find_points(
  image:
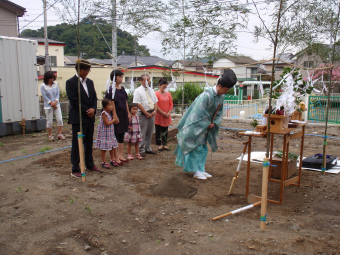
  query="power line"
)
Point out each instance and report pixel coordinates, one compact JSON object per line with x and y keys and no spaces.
{"x":39,"y":15}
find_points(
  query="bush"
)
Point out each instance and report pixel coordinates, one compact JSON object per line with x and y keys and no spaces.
{"x":191,"y":91}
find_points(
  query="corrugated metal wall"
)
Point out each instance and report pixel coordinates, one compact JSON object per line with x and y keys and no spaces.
{"x":18,"y":79}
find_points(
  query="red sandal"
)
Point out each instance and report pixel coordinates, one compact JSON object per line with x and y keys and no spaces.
{"x":105,"y":165}
{"x":113,"y":163}
{"x":138,"y":156}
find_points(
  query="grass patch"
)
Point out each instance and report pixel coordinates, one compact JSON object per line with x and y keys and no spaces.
{"x":43,"y":150}
{"x":87,"y":208}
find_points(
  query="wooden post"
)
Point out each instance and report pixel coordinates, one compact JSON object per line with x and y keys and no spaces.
{"x":81,"y":156}
{"x":23,"y":125}
{"x":264,"y":193}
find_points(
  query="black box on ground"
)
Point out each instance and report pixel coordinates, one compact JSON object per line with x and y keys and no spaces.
{"x":316,"y":161}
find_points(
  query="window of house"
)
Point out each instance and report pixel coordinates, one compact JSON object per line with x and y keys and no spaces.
{"x":53,"y":60}
{"x":253,"y":72}
{"x":308,"y":64}
{"x":128,"y":79}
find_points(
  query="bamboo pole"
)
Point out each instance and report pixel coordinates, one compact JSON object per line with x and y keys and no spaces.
{"x":237,"y":211}
{"x":81,"y":156}
{"x":264,"y":193}
{"x":324,"y":151}
{"x":233,"y":182}
{"x":272,"y":79}
{"x":80,"y":134}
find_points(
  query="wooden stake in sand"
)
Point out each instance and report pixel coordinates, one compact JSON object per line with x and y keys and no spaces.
{"x":237,"y":211}
{"x":264,"y":193}
{"x":233,"y":182}
{"x":81,"y":156}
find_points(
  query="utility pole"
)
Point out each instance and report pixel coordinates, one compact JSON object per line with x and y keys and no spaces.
{"x":135,"y":50}
{"x":114,"y":33}
{"x":183,"y":57}
{"x":47,"y":58}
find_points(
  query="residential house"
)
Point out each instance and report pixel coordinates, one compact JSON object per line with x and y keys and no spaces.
{"x":314,"y":55}
{"x":55,"y":52}
{"x":283,"y":60}
{"x":245,"y":68}
{"x":154,"y":66}
{"x":9,"y":14}
{"x":317,"y":54}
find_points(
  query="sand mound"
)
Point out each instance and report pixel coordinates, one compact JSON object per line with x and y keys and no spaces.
{"x":174,"y":187}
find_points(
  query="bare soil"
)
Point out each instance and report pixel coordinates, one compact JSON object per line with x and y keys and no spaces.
{"x":151,"y":207}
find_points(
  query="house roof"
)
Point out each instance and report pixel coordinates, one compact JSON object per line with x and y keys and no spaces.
{"x":240,"y":59}
{"x":42,"y":41}
{"x":106,"y":61}
{"x":70,"y":60}
{"x":124,"y":61}
{"x":19,"y":10}
{"x":127,"y":60}
{"x":191,"y":63}
{"x":284,"y":58}
{"x":168,"y":68}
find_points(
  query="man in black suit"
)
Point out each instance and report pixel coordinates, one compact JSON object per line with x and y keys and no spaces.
{"x":88,"y":110}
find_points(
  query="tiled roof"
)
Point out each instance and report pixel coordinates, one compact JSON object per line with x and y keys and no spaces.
{"x":126,"y":60}
{"x":189,"y":63}
{"x":240,"y":59}
{"x":123,"y":61}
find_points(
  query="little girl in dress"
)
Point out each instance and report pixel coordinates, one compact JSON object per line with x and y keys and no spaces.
{"x":106,"y":140}
{"x":134,"y":135}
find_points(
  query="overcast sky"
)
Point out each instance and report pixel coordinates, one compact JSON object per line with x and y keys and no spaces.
{"x":245,"y":44}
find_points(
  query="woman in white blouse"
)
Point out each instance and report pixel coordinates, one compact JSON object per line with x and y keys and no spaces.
{"x":50,"y":92}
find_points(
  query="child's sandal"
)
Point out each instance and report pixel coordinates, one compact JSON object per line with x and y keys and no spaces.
{"x":105,"y":165}
{"x":130,"y":157}
{"x":113,"y":163}
{"x":138,"y":156}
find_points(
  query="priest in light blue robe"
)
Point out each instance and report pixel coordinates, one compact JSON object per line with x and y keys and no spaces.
{"x":196,"y":129}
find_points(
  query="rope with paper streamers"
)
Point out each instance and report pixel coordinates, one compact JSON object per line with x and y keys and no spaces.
{"x":219,"y":68}
{"x":172,"y":84}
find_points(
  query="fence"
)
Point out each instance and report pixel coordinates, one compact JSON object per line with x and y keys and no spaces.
{"x":249,"y":109}
{"x":317,"y":107}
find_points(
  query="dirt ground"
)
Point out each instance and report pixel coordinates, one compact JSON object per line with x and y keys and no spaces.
{"x":152,"y":207}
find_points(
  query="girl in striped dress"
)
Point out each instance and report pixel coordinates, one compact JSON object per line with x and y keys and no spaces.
{"x":134,"y":134}
{"x":106,"y":140}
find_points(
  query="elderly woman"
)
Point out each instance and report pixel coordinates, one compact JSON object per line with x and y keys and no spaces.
{"x":50,"y":92}
{"x":163,"y":116}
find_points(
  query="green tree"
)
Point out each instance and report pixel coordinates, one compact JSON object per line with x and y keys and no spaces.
{"x":303,"y":24}
{"x":191,"y":91}
{"x":140,"y":16}
{"x":91,"y":41}
{"x":202,"y":27}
